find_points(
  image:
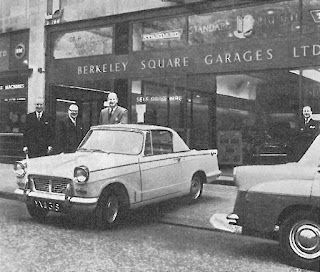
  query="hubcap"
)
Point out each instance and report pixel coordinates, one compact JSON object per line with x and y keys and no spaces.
{"x":305,"y":240}
{"x":195,"y":188}
{"x":112,"y":209}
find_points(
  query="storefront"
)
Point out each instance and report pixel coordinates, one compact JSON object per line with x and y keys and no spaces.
{"x":224,"y":77}
{"x":14,"y":75}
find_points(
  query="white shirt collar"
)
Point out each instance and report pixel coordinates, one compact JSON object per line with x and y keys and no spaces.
{"x":73,"y":120}
{"x":111,"y":110}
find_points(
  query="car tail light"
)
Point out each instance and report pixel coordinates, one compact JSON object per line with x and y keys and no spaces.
{"x":81,"y":174}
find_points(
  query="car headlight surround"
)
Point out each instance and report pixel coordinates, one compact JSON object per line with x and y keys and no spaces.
{"x":20,"y":169}
{"x":81,"y":174}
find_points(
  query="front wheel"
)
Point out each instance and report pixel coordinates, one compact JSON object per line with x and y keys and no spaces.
{"x":36,"y":212}
{"x":108,"y":210}
{"x":196,"y":188}
{"x":300,"y":238}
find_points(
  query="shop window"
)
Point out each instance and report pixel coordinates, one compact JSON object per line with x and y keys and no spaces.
{"x":253,"y":110}
{"x":159,"y":101}
{"x":256,"y":22}
{"x":182,"y":104}
{"x":160,"y":34}
{"x":310,"y":84}
{"x":82,"y":43}
{"x":13,"y":114}
{"x":310,"y":16}
{"x":201,"y":89}
{"x":122,"y":38}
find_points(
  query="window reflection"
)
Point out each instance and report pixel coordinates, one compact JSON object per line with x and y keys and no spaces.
{"x":255,"y":110}
{"x":81,"y":43}
{"x":13,"y":114}
{"x":258,"y":22}
{"x":179,"y":103}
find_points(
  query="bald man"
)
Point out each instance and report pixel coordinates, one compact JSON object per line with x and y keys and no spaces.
{"x":113,"y":114}
{"x":38,"y":134}
{"x":69,"y":132}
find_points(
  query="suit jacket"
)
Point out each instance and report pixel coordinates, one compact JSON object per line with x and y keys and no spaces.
{"x":38,"y":135}
{"x":310,"y":130}
{"x":119,"y":116}
{"x":69,"y":135}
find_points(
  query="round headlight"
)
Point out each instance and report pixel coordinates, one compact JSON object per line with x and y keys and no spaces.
{"x":20,"y":169}
{"x":81,"y":174}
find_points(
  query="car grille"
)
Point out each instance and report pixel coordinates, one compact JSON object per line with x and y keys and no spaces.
{"x":50,"y":184}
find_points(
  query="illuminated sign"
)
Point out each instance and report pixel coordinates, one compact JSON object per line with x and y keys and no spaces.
{"x":20,"y":51}
{"x":162,"y":35}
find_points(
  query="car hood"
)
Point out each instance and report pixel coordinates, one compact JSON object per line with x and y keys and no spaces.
{"x":248,"y":176}
{"x":63,"y":165}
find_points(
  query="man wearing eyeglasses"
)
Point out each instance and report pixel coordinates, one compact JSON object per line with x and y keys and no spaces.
{"x":69,"y":131}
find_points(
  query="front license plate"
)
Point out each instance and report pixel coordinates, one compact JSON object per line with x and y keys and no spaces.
{"x":48,"y":205}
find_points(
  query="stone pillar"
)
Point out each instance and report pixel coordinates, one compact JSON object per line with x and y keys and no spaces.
{"x":36,"y":82}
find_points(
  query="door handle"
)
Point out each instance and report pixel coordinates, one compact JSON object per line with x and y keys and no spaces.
{"x":178,"y":159}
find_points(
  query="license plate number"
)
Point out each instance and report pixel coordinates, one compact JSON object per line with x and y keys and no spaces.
{"x":47,"y":205}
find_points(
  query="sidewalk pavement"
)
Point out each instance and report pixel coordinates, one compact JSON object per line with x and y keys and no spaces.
{"x":217,"y":200}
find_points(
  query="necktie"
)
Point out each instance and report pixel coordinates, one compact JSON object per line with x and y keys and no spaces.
{"x":38,"y":113}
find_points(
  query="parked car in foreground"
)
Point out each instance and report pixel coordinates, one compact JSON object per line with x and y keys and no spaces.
{"x":115,"y":168}
{"x":282,"y":202}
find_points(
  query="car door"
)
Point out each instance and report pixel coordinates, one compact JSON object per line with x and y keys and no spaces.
{"x":160,"y":167}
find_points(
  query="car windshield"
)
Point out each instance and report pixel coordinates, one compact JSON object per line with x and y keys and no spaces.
{"x":113,"y":141}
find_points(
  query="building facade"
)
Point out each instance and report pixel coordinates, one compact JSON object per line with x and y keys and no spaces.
{"x":224,"y":74}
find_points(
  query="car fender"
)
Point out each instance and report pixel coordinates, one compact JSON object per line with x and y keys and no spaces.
{"x":128,"y":176}
{"x":133,"y":194}
{"x":266,"y":201}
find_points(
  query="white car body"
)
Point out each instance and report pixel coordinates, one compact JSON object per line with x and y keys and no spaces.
{"x":126,"y":162}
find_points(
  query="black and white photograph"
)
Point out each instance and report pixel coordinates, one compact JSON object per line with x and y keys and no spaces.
{"x":159,"y":135}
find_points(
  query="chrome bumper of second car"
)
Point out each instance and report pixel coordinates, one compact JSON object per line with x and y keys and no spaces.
{"x":69,"y":202}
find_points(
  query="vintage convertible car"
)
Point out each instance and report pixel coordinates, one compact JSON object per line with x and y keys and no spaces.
{"x":115,"y":168}
{"x":282,"y":202}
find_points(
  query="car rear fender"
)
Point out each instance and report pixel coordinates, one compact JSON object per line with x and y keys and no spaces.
{"x":296,"y":208}
{"x":267,"y":201}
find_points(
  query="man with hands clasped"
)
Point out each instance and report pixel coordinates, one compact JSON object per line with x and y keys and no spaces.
{"x":69,"y":131}
{"x":38,"y":135}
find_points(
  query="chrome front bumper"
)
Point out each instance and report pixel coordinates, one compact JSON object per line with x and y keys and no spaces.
{"x":70,"y":203}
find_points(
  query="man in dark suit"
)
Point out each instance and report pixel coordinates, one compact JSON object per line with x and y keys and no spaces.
{"x":38,"y":135}
{"x":113,"y":114}
{"x":308,"y":130}
{"x":69,"y":131}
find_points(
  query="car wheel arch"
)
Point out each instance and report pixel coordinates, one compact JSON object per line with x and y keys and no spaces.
{"x":288,"y":211}
{"x":201,"y":174}
{"x":120,"y":190}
